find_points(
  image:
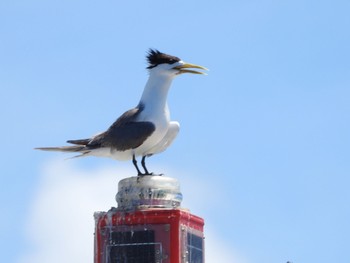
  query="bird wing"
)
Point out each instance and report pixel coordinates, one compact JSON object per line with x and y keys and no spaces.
{"x":79,"y":142}
{"x":125,"y":133}
{"x":122,"y":138}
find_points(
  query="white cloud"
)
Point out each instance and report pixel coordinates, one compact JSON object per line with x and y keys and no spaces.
{"x":61,"y":225}
{"x":217,"y":250}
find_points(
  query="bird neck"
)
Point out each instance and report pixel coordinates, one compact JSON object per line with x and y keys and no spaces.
{"x":155,"y":94}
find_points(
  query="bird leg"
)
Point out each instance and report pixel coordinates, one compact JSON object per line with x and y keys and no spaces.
{"x":143,"y":163}
{"x":135,"y":164}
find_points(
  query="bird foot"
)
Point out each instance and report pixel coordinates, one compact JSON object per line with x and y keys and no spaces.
{"x":149,"y":174}
{"x":144,"y":174}
{"x":157,"y":174}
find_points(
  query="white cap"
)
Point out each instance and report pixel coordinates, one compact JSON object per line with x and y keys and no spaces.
{"x":149,"y":191}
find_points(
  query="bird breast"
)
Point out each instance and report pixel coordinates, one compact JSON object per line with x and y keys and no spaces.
{"x":160,"y":119}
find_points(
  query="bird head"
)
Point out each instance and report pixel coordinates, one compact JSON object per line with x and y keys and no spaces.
{"x":170,"y":65}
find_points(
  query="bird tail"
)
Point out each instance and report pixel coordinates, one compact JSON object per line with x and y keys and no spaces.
{"x":75,"y":148}
{"x":80,"y":147}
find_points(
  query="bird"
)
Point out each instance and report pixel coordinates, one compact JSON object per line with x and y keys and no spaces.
{"x":144,"y":130}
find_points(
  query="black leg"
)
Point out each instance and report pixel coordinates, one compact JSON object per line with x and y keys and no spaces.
{"x":135,"y":164}
{"x":144,"y":166}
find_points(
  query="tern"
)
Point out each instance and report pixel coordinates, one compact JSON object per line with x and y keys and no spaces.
{"x":144,"y":130}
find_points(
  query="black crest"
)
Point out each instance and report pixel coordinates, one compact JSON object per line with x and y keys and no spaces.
{"x":156,"y":57}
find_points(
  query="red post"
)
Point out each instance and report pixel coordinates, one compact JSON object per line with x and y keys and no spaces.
{"x":148,"y":228}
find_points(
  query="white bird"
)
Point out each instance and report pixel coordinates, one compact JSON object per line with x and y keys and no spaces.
{"x":144,"y":130}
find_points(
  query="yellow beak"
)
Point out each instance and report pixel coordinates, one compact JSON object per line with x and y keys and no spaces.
{"x":185,"y":68}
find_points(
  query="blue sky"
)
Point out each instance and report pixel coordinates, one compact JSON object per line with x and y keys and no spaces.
{"x":263,"y":151}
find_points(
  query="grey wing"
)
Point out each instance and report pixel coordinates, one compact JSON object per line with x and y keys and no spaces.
{"x":121,"y":138}
{"x":80,"y":141}
{"x":125,"y":133}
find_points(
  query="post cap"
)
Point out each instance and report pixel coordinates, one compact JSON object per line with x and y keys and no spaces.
{"x":149,"y":191}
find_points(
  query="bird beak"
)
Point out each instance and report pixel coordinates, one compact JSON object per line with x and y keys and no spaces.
{"x":185,"y":68}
